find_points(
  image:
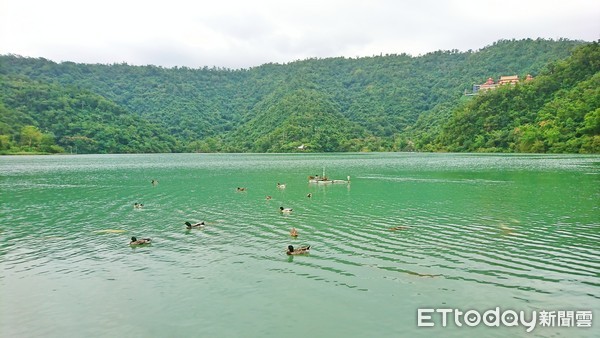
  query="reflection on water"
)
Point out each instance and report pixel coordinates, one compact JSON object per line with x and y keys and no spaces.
{"x":409,"y":231}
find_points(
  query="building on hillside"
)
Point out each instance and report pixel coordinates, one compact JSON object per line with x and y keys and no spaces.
{"x":491,"y":85}
{"x":511,"y":79}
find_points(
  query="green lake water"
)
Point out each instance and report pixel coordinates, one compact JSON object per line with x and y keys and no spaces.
{"x":518,"y":232}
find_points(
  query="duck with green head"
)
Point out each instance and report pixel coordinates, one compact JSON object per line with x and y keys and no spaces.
{"x":141,"y":241}
{"x":298,"y":251}
{"x":195,"y":225}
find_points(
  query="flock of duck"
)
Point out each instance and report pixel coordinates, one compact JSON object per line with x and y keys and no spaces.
{"x":293,"y":232}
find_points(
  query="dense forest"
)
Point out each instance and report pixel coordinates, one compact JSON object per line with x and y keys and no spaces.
{"x":379,"y":103}
{"x":558,"y":112}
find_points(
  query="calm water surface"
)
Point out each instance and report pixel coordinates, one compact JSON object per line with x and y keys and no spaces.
{"x":518,"y":232}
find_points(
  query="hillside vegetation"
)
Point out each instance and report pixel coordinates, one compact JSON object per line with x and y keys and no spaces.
{"x":558,"y":112}
{"x":379,"y":103}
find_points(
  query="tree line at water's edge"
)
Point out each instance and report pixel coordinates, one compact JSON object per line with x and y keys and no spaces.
{"x":379,"y":103}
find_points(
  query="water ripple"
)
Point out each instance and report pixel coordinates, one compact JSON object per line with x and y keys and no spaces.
{"x":446,"y":225}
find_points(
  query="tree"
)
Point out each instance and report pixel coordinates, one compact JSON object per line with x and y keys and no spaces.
{"x":5,"y":143}
{"x":31,"y":136}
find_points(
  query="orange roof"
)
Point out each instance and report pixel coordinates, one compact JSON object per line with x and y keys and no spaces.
{"x":509,"y":79}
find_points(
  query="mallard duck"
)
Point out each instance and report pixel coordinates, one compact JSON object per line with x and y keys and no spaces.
{"x":285,"y":210}
{"x":293,"y":232}
{"x":280,"y":186}
{"x":240,"y":189}
{"x":300,"y":251}
{"x":141,"y":241}
{"x":269,"y":198}
{"x":196,"y":225}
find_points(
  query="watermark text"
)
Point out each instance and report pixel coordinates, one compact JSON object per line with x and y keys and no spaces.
{"x":497,"y":317}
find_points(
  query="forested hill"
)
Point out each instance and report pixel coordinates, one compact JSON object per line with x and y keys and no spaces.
{"x":379,"y":103}
{"x":558,"y":112}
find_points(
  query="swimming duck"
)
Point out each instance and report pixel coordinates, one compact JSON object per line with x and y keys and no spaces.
{"x":141,"y":241}
{"x":269,"y":198}
{"x":280,"y":186}
{"x":309,"y":195}
{"x":240,"y":189}
{"x":300,"y":251}
{"x":138,"y":205}
{"x":400,"y":227}
{"x":197,"y":225}
{"x":293,"y":232}
{"x":285,"y":210}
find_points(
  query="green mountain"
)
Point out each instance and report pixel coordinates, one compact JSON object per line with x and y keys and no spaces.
{"x":293,"y":118}
{"x":55,"y":118}
{"x":379,"y":103}
{"x":557,"y":112}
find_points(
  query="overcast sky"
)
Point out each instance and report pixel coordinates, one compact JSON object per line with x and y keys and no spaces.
{"x":247,"y":33}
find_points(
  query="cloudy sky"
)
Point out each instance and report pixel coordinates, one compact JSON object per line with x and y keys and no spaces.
{"x":247,"y":33}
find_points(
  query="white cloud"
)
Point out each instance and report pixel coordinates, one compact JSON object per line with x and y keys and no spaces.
{"x":237,"y":33}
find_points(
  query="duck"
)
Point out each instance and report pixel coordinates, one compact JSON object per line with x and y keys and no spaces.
{"x":285,"y":210}
{"x":269,"y":198}
{"x":154,"y":182}
{"x":400,"y":227}
{"x":196,"y":225}
{"x":141,"y":241}
{"x":138,"y":205}
{"x":309,"y":195}
{"x":240,"y":189}
{"x":300,"y":251}
{"x":280,"y":186}
{"x":293,"y":232}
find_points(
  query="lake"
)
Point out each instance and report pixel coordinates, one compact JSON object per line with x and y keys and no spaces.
{"x":474,"y":232}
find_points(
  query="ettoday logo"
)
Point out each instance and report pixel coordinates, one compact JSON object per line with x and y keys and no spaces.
{"x":509,"y":318}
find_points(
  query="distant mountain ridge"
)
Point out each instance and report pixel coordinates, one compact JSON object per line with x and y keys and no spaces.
{"x":380,"y":103}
